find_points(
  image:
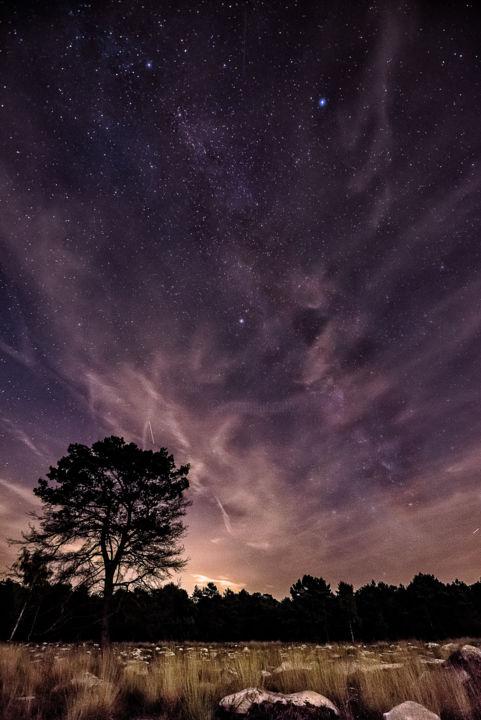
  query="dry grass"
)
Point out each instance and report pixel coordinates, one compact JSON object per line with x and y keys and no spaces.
{"x":186,"y":682}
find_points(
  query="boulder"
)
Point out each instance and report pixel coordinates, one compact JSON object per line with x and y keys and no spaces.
{"x":467,"y":658}
{"x":255,"y":703}
{"x":448,"y":647}
{"x":410,"y":711}
{"x":288,"y":666}
{"x":470,"y":653}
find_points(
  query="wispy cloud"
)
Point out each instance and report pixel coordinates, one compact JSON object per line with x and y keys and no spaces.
{"x":222,"y":581}
{"x":225,"y":515}
{"x":17,"y":432}
{"x":297,"y":318}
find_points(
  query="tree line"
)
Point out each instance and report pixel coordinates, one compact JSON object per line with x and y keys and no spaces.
{"x":107,"y":537}
{"x":426,"y":609}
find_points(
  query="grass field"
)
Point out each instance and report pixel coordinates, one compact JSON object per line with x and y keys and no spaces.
{"x":80,"y":682}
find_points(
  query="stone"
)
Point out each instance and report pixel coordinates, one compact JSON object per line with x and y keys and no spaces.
{"x":252,"y":702}
{"x":288,"y":666}
{"x":381,"y":666}
{"x":410,"y":710}
{"x":432,"y":661}
{"x":448,"y":647}
{"x":467,"y":658}
{"x":470,"y":652}
{"x":88,"y":679}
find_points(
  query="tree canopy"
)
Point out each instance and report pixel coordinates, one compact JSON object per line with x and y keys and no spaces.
{"x":111,"y":517}
{"x":373,"y":612}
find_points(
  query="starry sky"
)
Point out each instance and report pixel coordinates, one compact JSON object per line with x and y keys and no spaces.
{"x":250,"y":232}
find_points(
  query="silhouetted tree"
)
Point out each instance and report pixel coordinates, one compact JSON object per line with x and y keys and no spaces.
{"x":314,"y":599}
{"x":371,"y":612}
{"x":462,"y":613}
{"x":171,"y":612}
{"x":347,"y":606}
{"x":208,"y":612}
{"x":33,"y":572}
{"x":475,"y":594}
{"x":111,"y":518}
{"x":429,"y":602}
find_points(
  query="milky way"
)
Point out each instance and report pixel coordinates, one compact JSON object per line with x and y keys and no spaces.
{"x":250,"y":233}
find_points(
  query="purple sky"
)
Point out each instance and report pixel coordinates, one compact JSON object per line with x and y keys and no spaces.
{"x":251,"y":232}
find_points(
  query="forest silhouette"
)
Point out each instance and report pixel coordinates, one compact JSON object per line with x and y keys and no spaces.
{"x":426,"y":609}
{"x":123,"y":507}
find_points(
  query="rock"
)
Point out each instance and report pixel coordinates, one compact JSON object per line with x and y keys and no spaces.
{"x":226,"y":674}
{"x":448,"y":647}
{"x":87,"y":679}
{"x":381,"y":666}
{"x":255,"y":702}
{"x":287,"y":666}
{"x":432,"y":661}
{"x":410,"y":711}
{"x":468,"y":658}
{"x":470,"y":652}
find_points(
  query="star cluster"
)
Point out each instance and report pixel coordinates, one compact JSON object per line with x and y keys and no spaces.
{"x":249,"y":232}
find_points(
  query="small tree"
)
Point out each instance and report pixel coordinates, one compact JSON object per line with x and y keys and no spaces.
{"x":31,"y":569}
{"x":111,"y":518}
{"x":347,"y":604}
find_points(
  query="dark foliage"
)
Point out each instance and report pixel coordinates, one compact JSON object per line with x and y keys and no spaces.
{"x":426,"y":609}
{"x":111,"y":518}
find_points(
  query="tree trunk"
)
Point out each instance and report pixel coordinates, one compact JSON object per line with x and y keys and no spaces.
{"x":350,"y":629}
{"x":18,"y":621}
{"x":33,"y":623}
{"x":326,"y":628}
{"x":107,"y":610}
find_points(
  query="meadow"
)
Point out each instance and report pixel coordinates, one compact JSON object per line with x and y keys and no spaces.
{"x":185,"y":682}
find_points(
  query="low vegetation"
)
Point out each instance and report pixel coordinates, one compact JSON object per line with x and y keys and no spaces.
{"x":185,"y":682}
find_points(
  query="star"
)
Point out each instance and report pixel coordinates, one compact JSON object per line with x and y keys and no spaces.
{"x":175,"y":208}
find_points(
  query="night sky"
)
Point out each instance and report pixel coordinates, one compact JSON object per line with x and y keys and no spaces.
{"x":250,"y":232}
